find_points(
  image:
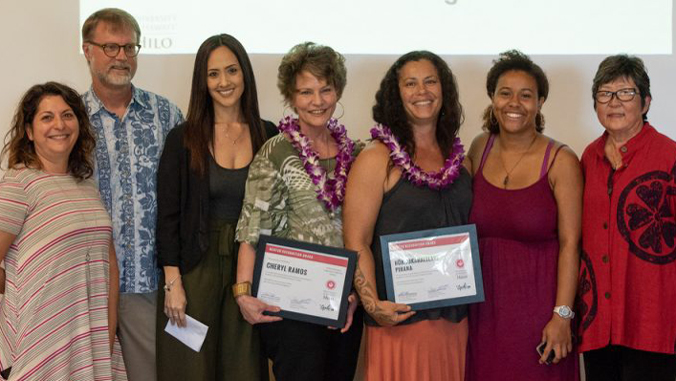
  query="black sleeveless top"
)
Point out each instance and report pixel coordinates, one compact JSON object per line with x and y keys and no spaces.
{"x":408,"y":208}
{"x":226,"y":190}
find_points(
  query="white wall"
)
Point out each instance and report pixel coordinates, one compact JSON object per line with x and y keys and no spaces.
{"x":39,"y":42}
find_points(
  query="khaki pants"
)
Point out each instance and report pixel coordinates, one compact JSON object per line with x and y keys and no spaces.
{"x":136,"y":330}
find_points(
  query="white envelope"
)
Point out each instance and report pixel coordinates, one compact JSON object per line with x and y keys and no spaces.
{"x":192,"y":335}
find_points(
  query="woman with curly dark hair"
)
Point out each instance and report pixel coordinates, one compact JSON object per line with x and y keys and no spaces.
{"x":409,"y":178}
{"x":527,"y":209}
{"x":59,"y":315}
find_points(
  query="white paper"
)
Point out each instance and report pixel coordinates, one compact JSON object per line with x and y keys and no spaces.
{"x":192,"y":335}
{"x":432,"y":269}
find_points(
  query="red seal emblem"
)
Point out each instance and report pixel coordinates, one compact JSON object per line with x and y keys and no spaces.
{"x":460,"y":263}
{"x":330,"y":285}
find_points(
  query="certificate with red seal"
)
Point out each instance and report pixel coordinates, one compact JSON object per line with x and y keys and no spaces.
{"x":308,"y":282}
{"x":433,"y":268}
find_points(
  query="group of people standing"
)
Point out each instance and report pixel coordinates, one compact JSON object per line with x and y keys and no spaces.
{"x":103,"y":186}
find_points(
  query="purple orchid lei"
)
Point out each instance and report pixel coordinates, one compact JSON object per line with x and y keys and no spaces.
{"x":434,"y":180}
{"x":329,"y":191}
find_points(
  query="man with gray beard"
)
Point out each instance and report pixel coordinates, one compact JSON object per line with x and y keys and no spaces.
{"x":130,"y":126}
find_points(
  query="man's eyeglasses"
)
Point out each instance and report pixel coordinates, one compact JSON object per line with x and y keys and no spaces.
{"x":624,"y":95}
{"x":112,"y":49}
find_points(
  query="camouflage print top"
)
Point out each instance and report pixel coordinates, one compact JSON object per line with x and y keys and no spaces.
{"x":280,"y":199}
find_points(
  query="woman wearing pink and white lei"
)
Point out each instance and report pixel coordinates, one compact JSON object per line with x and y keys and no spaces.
{"x":295,"y":190}
{"x":409,"y":178}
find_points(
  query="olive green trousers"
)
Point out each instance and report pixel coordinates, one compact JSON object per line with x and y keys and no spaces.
{"x":231,"y":350}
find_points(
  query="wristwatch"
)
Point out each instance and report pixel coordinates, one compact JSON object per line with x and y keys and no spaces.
{"x":564,"y":311}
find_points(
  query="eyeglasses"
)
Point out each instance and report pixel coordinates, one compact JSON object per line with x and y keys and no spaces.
{"x":112,"y":49}
{"x":624,"y":95}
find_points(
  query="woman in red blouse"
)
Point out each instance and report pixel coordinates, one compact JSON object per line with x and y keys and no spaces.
{"x":627,"y":294}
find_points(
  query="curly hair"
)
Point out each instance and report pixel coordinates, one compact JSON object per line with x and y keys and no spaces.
{"x":389,"y":109}
{"x":199,"y":131}
{"x":20,"y":150}
{"x":321,"y":61}
{"x":514,"y":60}
{"x":623,"y":66}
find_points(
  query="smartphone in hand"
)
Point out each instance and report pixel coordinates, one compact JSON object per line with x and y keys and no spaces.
{"x":541,"y":349}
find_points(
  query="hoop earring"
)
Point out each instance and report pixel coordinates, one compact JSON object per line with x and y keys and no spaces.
{"x":342,"y":110}
{"x":288,"y":111}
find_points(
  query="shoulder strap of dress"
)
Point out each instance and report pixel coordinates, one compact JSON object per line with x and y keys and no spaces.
{"x":545,"y":166}
{"x":545,"y":161}
{"x":489,"y":145}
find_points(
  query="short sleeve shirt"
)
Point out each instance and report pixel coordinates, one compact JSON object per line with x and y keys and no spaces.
{"x":127,"y":156}
{"x":281,"y":200}
{"x":54,"y":317}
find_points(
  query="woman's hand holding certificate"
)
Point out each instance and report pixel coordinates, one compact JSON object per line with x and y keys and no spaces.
{"x":353,"y":303}
{"x":388,"y":313}
{"x":253,"y":310}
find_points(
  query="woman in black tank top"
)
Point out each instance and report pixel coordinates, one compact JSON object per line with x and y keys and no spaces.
{"x":409,"y":178}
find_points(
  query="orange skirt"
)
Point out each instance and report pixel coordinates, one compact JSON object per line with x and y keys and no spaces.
{"x":428,"y":350}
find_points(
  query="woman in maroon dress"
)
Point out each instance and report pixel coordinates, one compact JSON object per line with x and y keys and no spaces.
{"x":527,"y":208}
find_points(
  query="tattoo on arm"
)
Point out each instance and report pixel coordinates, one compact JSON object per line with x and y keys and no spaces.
{"x":365,"y":290}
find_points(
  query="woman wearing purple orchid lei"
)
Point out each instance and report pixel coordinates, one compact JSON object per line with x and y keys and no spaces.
{"x":409,"y":178}
{"x":295,"y":190}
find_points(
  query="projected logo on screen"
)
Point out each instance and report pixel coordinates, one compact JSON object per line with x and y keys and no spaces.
{"x":157,"y":32}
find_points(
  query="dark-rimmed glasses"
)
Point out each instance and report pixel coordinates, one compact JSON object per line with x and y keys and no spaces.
{"x":112,"y":49}
{"x":623,"y":95}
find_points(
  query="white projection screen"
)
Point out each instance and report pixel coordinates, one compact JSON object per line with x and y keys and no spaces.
{"x":397,"y":26}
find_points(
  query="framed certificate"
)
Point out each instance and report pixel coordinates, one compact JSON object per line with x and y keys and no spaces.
{"x":433,"y":268}
{"x":308,"y":282}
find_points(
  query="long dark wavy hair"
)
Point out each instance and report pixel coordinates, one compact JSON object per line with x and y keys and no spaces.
{"x":389,"y":109}
{"x":198,"y":135}
{"x":20,"y":150}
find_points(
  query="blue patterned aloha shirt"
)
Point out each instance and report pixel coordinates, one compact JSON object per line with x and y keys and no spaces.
{"x":127,"y":154}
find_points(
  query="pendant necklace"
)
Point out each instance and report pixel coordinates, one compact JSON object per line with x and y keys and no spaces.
{"x":508,"y":173}
{"x":227,"y":135}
